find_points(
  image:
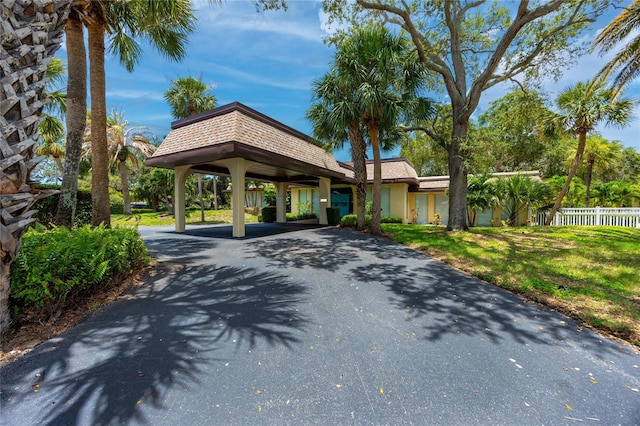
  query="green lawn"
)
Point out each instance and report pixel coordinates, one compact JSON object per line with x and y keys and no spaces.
{"x":193,"y":218}
{"x":589,"y":273}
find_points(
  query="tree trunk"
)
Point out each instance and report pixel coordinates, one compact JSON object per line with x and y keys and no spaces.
{"x":124,"y":183}
{"x":377,"y":182}
{"x":76,"y":121}
{"x":457,"y":179}
{"x":590,"y":161}
{"x":31,"y":33}
{"x":100,"y":212}
{"x":359,"y":158}
{"x":215,"y":193}
{"x":582,"y":141}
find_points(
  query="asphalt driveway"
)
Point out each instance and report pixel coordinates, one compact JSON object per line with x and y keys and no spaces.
{"x":318,"y":326}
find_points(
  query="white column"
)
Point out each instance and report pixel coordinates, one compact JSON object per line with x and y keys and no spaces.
{"x":324,"y":186}
{"x":281,"y":201}
{"x":237,"y":169}
{"x":181,"y":174}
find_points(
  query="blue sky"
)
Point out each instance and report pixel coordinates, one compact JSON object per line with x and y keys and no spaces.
{"x":268,"y":61}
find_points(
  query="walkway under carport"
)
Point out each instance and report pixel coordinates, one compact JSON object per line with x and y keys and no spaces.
{"x":237,"y":141}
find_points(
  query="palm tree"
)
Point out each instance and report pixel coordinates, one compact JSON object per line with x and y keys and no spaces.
{"x":125,"y":145}
{"x":189,"y":96}
{"x":519,"y":194}
{"x":604,"y":152}
{"x":385,"y":80}
{"x":165,"y":24}
{"x":627,"y":61}
{"x":481,"y":195}
{"x":583,"y":106}
{"x":31,"y":33}
{"x":76,"y":112}
{"x":335,"y":120}
{"x":51,"y":129}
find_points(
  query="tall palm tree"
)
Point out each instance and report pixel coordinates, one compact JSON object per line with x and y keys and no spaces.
{"x":189,"y":96}
{"x":335,"y":120}
{"x":597,"y":149}
{"x":125,"y":144}
{"x":76,"y":112}
{"x":385,"y":79}
{"x":165,"y":24}
{"x":626,"y":63}
{"x":31,"y":33}
{"x":582,"y":107}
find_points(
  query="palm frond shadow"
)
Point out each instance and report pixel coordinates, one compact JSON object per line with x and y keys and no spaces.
{"x":167,"y":336}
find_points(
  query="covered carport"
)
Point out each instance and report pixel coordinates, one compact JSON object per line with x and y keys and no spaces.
{"x":237,"y":141}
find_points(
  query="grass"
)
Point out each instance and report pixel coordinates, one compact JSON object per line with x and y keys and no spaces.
{"x":590,"y":273}
{"x":193,"y":218}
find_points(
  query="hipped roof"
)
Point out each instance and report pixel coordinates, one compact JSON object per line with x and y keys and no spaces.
{"x":277,"y":152}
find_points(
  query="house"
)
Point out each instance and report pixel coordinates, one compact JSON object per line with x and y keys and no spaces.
{"x":242,"y":143}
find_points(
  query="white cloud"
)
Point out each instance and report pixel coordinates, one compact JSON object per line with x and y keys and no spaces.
{"x":148,"y":95}
{"x":235,"y":18}
{"x":253,"y":78}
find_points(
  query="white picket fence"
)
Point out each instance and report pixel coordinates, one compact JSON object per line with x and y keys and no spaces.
{"x":628,"y":217}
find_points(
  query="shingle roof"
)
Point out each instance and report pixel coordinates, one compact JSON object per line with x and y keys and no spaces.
{"x":393,"y":170}
{"x":239,"y":124}
{"x":433,"y":183}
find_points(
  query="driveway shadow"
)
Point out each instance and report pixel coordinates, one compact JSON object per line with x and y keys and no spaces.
{"x":448,"y":302}
{"x":167,"y":336}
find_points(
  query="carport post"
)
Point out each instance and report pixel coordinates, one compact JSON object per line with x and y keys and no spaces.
{"x":237,"y":169}
{"x":281,"y":206}
{"x":181,"y":174}
{"x":325,"y":199}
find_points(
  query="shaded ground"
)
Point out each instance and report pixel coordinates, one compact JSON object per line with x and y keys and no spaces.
{"x":319,"y":326}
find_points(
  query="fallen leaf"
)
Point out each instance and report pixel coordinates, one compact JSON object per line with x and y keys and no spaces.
{"x":381,"y":391}
{"x":259,"y":409}
{"x":568,"y":407}
{"x":593,"y":381}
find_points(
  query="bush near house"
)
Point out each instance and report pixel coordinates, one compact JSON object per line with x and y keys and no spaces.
{"x":54,"y":264}
{"x":350,"y":220}
{"x":269,"y":214}
{"x":292,"y":217}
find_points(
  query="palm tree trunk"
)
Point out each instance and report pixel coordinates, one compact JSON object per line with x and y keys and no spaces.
{"x":590,"y":161}
{"x":76,"y":121}
{"x":124,"y":183}
{"x":100,"y":213}
{"x":31,"y":33}
{"x":377,"y":182}
{"x":457,"y":180}
{"x":59,"y":164}
{"x":582,"y":141}
{"x":358,"y":156}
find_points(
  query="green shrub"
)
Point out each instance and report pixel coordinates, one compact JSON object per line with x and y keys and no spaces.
{"x":48,"y":206}
{"x":333,"y":216}
{"x":350,"y":220}
{"x":269,"y":214}
{"x":291,"y":217}
{"x":52,"y":264}
{"x":390,"y":219}
{"x":116,"y":203}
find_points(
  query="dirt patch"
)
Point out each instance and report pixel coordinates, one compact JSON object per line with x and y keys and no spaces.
{"x":32,"y":332}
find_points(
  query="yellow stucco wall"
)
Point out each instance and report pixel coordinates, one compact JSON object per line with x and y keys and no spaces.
{"x":398,"y":201}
